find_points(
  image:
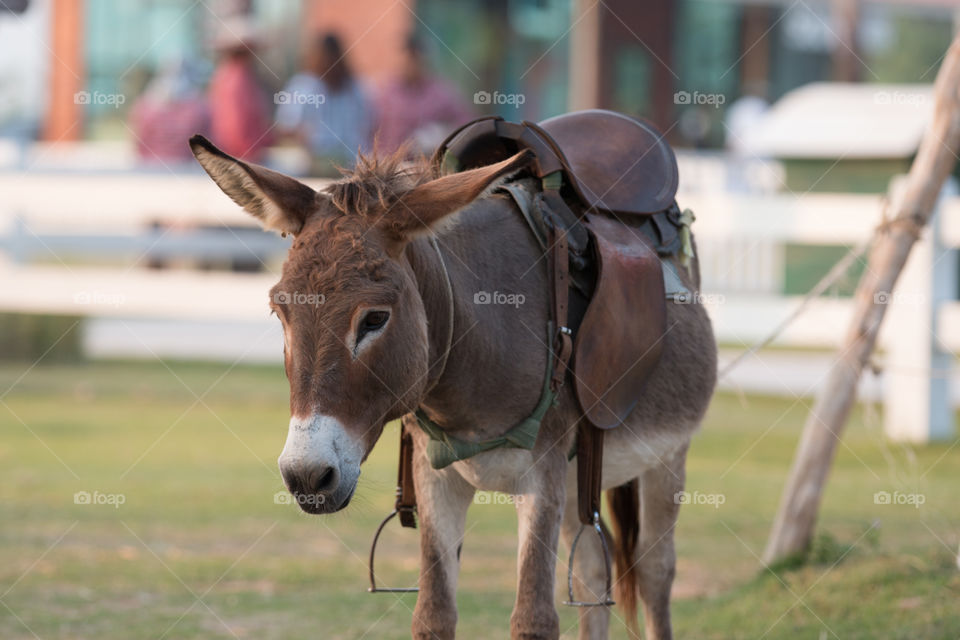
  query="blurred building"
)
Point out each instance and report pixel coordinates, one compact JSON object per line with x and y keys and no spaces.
{"x":681,"y":63}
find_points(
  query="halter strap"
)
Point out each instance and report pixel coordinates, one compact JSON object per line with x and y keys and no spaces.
{"x":406,"y":505}
{"x":450,"y":312}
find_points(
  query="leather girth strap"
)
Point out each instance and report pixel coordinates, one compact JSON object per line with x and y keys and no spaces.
{"x":406,"y":505}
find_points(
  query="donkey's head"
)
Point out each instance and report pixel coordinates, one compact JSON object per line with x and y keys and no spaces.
{"x":354,"y":325}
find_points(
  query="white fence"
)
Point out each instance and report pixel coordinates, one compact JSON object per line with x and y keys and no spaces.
{"x":921,"y":333}
{"x":54,"y":217}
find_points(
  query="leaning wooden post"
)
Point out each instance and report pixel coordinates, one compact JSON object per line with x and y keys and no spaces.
{"x":908,"y":211}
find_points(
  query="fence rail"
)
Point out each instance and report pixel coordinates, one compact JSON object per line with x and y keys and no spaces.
{"x":62,"y":220}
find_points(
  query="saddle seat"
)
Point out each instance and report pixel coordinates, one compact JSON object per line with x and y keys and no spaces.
{"x":610,"y":182}
{"x":616,"y":163}
{"x":610,"y":161}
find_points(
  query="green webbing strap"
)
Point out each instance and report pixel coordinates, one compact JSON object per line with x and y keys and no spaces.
{"x":552,"y":181}
{"x":450,"y":163}
{"x":444,"y":449}
{"x":673,"y":286}
{"x":524,"y":202}
{"x":686,"y":241}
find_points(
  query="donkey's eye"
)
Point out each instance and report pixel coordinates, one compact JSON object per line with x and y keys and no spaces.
{"x":373,"y":321}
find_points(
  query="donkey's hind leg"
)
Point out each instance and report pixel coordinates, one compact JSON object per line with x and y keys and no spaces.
{"x":589,"y":571}
{"x":656,"y":558}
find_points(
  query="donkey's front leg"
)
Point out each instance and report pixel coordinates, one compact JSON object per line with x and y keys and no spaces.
{"x":443,"y":497}
{"x":539,"y":513}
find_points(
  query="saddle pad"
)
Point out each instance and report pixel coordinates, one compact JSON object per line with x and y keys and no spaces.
{"x":620,"y":339}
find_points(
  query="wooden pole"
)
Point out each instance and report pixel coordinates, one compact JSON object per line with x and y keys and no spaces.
{"x":584,"y":90}
{"x":909,"y":210}
{"x":64,"y":120}
{"x":846,"y":16}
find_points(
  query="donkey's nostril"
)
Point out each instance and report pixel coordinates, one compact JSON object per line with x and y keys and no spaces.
{"x":324,"y":479}
{"x":311,"y":479}
{"x":293,"y":480}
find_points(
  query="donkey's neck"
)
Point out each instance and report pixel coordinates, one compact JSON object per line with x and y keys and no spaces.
{"x":494,"y":370}
{"x":434,"y":282}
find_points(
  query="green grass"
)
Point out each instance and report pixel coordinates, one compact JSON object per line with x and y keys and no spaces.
{"x":199,"y":549}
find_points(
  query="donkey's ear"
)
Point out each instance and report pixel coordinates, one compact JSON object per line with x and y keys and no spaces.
{"x":278,"y":201}
{"x":425,"y":206}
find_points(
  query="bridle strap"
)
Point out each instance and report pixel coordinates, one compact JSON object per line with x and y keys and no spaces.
{"x":406,"y":505}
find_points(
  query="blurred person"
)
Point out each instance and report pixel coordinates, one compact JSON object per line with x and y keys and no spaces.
{"x":417,"y":106}
{"x":170,"y":110}
{"x":743,"y":116}
{"x":325,"y":108}
{"x":240,"y":121}
{"x":741,"y":122}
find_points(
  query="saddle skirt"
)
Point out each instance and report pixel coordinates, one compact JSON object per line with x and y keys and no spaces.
{"x":620,"y":338}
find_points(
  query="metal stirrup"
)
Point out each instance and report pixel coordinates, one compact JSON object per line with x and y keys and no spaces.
{"x":607,"y":600}
{"x":373,"y":588}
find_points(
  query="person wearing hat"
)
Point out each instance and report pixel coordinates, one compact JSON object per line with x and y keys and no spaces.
{"x":240,"y":120}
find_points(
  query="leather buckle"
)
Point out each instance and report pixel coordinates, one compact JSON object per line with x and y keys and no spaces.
{"x":563,"y":348}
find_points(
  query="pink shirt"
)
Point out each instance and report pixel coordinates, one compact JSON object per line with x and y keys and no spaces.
{"x":162,"y":128}
{"x":405,"y":109}
{"x":240,"y":123}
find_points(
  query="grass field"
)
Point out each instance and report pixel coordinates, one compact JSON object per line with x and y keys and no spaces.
{"x":200,"y":549}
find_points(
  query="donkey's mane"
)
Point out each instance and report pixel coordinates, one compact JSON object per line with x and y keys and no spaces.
{"x":333,"y":252}
{"x":378,"y":181}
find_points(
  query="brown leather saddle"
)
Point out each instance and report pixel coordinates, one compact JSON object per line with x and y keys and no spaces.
{"x":601,"y":172}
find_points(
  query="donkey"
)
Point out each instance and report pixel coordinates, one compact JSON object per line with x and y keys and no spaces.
{"x":398,"y":254}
